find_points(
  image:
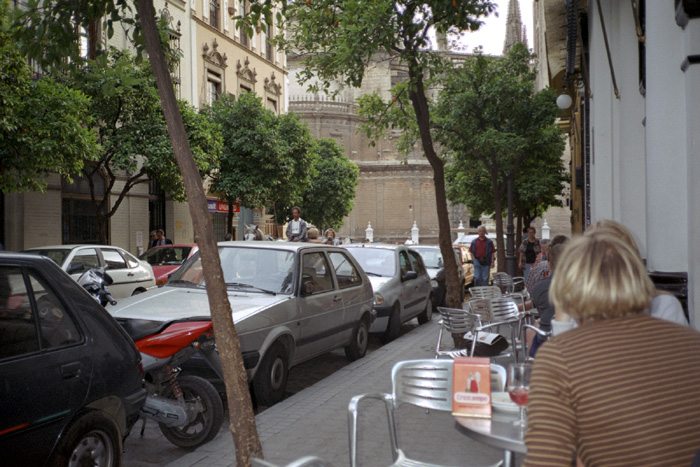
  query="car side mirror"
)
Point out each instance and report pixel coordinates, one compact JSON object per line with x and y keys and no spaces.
{"x":76,"y":268}
{"x":409,"y":276}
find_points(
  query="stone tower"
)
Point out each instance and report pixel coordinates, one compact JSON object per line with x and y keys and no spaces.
{"x":515,"y":30}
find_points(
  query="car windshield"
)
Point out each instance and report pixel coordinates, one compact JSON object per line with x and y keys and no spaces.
{"x":58,"y":254}
{"x":166,"y":256}
{"x":245,"y":268}
{"x":432,"y":257}
{"x":375,"y":261}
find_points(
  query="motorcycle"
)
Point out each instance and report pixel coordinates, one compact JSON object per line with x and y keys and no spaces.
{"x":188,"y":409}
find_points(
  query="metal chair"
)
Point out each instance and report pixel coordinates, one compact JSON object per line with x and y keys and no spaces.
{"x":504,"y":311}
{"x":308,"y":461}
{"x":459,"y":321}
{"x":423,"y":383}
{"x":511,"y":286}
{"x":485,"y":291}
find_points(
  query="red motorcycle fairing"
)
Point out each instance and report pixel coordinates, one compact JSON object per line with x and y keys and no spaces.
{"x":172,"y":339}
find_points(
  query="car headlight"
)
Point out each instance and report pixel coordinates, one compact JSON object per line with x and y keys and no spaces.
{"x":378,"y":299}
{"x":433,"y":283}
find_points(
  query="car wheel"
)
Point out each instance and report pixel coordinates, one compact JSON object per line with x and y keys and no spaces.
{"x":93,"y":439}
{"x":427,"y":314}
{"x":393,"y":328}
{"x":137,"y":291}
{"x":270,"y":380}
{"x":205,"y":412}
{"x":360,"y":340}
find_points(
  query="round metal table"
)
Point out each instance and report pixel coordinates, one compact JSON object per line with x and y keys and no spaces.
{"x":498,"y":431}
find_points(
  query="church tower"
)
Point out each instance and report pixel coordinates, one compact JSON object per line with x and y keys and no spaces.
{"x":515,"y":30}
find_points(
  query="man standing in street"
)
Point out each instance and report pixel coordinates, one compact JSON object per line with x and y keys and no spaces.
{"x":161,"y":238}
{"x":154,"y":238}
{"x":296,"y":229}
{"x":484,"y":252}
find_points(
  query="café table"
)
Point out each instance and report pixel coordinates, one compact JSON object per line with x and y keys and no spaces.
{"x":498,"y":431}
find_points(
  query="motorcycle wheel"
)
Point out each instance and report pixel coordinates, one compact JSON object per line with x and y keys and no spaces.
{"x":205,"y":412}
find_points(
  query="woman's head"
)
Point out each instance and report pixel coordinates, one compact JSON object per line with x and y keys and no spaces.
{"x":615,"y":229}
{"x":600,"y":277}
{"x":330,"y":233}
{"x":312,"y":233}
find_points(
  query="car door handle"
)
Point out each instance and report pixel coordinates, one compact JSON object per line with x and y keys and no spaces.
{"x":337,"y":299}
{"x":71,"y":370}
{"x":130,"y":274}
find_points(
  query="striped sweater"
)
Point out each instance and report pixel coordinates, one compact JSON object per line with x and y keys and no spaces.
{"x":623,"y":391}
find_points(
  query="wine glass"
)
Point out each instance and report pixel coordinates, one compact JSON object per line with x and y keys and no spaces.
{"x":519,"y":386}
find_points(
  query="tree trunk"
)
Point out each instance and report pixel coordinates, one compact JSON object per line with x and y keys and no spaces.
{"x":498,"y":217}
{"x":229,"y":217}
{"x":420,"y":106}
{"x":242,"y":419}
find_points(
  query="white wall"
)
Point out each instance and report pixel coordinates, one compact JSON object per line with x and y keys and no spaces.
{"x":667,"y":195}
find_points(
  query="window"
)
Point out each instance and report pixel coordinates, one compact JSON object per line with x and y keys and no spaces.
{"x":272,"y":105}
{"x":79,"y":220}
{"x":57,"y":327}
{"x":18,"y":332}
{"x":213,"y":13}
{"x":214,"y":86}
{"x":156,"y":206}
{"x":315,"y":270}
{"x":269,"y":52}
{"x":242,"y":12}
{"x":113,"y":259}
{"x":87,"y":257}
{"x":404,"y":263}
{"x":344,"y":270}
{"x":417,"y":263}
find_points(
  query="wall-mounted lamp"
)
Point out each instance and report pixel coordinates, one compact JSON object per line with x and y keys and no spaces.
{"x":564,"y":101}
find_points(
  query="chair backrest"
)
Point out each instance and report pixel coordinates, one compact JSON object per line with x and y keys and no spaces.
{"x":485,"y":291}
{"x":423,"y":383}
{"x":503,"y":309}
{"x":480,"y":308}
{"x":308,"y":461}
{"x":504,"y":282}
{"x":456,"y":320}
{"x":498,"y":378}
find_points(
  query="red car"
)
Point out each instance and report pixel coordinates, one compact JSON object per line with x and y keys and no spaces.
{"x":166,"y":259}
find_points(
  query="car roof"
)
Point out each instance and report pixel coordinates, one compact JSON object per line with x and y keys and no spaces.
{"x":178,"y":245}
{"x":276,"y":245}
{"x":383,"y":246}
{"x":72,"y":247}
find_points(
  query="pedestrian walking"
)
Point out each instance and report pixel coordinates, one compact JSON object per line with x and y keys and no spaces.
{"x":296,"y":229}
{"x":529,"y":250}
{"x":484,"y":252}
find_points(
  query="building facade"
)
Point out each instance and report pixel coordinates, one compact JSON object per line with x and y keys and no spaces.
{"x":632,"y":72}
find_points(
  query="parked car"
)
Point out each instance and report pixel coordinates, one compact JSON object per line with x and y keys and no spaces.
{"x":291,"y":302}
{"x":401,"y":285}
{"x":131,"y":276}
{"x":466,"y":262}
{"x":166,"y":259}
{"x":71,"y":380}
{"x":432,"y":258}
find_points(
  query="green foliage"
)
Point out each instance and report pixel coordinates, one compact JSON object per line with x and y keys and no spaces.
{"x":496,"y":127}
{"x":44,"y":126}
{"x":265,"y":158}
{"x":330,"y":197}
{"x":131,"y":129}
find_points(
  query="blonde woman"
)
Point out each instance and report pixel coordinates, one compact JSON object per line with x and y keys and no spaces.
{"x":329,"y":237}
{"x":663,"y":304}
{"x":623,"y":388}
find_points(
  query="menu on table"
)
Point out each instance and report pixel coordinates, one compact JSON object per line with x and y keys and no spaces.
{"x":471,"y":387}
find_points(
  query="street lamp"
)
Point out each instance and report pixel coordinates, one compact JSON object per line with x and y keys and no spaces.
{"x":564,"y":101}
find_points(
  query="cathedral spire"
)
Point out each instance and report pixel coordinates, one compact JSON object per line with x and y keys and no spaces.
{"x":515,"y":30}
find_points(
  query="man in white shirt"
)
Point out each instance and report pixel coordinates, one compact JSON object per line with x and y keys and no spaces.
{"x":296,"y":228}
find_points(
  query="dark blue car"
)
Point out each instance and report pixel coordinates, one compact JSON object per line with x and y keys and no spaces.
{"x":70,"y":379}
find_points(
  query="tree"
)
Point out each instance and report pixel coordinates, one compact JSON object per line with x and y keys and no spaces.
{"x":496,"y":127}
{"x":132,"y":134}
{"x":55,"y":24}
{"x":266,"y":158}
{"x":339,"y":38}
{"x":330,"y":197}
{"x":44,"y":126}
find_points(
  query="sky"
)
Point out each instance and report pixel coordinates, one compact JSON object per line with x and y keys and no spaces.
{"x":493,"y":32}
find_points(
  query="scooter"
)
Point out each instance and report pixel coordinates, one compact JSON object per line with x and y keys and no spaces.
{"x":188,"y":409}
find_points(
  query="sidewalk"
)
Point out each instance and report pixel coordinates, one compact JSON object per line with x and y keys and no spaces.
{"x":314,"y":421}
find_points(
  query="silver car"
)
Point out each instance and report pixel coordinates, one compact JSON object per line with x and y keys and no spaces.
{"x":291,"y":302}
{"x":131,"y":275}
{"x":401,"y":283}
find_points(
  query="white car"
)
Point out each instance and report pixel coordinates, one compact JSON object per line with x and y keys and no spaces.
{"x":131,"y":276}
